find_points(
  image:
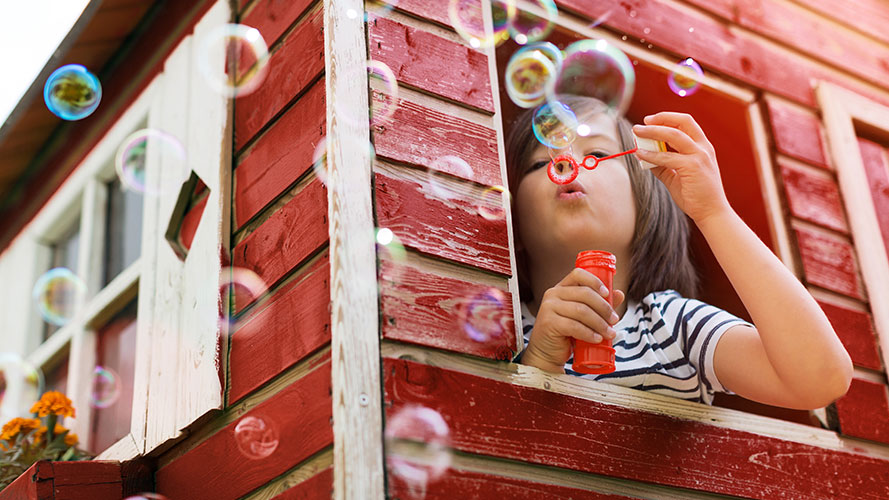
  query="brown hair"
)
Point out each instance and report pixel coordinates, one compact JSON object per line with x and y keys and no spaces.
{"x":659,"y":251}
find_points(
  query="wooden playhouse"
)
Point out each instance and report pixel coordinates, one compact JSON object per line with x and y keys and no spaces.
{"x":350,"y":331}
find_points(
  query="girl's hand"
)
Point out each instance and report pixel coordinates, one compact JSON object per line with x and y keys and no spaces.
{"x":691,"y":174}
{"x":576,"y":308}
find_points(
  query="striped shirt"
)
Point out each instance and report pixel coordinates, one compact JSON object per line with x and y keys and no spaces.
{"x":665,"y":344}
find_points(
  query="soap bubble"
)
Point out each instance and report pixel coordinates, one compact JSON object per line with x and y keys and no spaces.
{"x":555,"y":125}
{"x":59,"y":294}
{"x":147,"y":496}
{"x":319,"y":158}
{"x":439,"y":182}
{"x":527,"y":27}
{"x":595,"y":68}
{"x":131,"y":160}
{"x":466,"y":18}
{"x":234,"y":59}
{"x":21,"y":383}
{"x":685,"y":79}
{"x":485,"y":316}
{"x":493,"y":203}
{"x":384,"y":84}
{"x":392,"y":257}
{"x":257,"y":438}
{"x":105,"y":389}
{"x":238,"y":288}
{"x":532,"y":72}
{"x":72,"y":92}
{"x":417,"y":444}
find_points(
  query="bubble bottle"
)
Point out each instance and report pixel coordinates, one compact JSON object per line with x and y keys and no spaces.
{"x":596,"y":358}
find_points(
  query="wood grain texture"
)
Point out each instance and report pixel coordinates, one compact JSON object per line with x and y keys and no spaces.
{"x":828,"y":262}
{"x":537,"y":426}
{"x":864,"y":411}
{"x":292,"y":325}
{"x":280,"y":156}
{"x":425,"y":308}
{"x":867,"y":16}
{"x":815,"y":198}
{"x":876,"y":167}
{"x":797,"y":133}
{"x":432,"y":63}
{"x":432,"y":11}
{"x":452,"y":229}
{"x":420,"y":136}
{"x":287,"y":238}
{"x":855,"y":329}
{"x":458,"y":483}
{"x":297,"y":63}
{"x":216,"y":468}
{"x":317,"y":487}
{"x":273,"y":17}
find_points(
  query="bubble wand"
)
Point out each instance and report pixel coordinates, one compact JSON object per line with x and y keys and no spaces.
{"x":590,"y":162}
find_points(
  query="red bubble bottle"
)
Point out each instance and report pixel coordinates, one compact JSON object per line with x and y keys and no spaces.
{"x":596,"y":358}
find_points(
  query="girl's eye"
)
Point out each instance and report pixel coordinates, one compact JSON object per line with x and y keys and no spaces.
{"x":537,"y":165}
{"x":598,"y":154}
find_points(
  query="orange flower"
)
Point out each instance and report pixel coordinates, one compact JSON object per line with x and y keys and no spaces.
{"x":71,"y":439}
{"x":60,"y":429}
{"x":53,"y":402}
{"x":18,"y":425}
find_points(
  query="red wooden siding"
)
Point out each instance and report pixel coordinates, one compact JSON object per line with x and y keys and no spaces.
{"x":80,"y":480}
{"x":864,"y":412}
{"x":291,"y":326}
{"x":416,"y":56}
{"x":287,"y":238}
{"x":876,"y":166}
{"x":458,"y":483}
{"x":191,"y":220}
{"x":855,"y":330}
{"x":317,"y":487}
{"x":829,"y":262}
{"x":216,"y":469}
{"x":424,"y":308}
{"x":273,"y":18}
{"x":797,"y":133}
{"x":499,"y":419}
{"x":292,"y":67}
{"x":868,"y":16}
{"x":280,"y":156}
{"x":813,"y":197}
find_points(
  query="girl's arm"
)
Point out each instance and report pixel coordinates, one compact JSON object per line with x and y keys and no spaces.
{"x":797,"y":340}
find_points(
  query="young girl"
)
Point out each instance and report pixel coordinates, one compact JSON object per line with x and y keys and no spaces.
{"x":665,"y":341}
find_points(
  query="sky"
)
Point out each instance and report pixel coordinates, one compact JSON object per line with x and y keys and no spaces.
{"x":30,"y":31}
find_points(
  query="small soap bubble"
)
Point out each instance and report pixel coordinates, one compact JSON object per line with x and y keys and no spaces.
{"x":257,"y":438}
{"x":392,"y":258}
{"x":466,"y":18}
{"x":418,"y":447}
{"x":319,"y":158}
{"x":494,"y":202}
{"x":596,"y":68}
{"x":147,"y":496}
{"x":685,"y":79}
{"x":238,"y":288}
{"x":532,"y":27}
{"x":234,"y":59}
{"x":59,"y":294}
{"x":72,"y":92}
{"x":21,"y":383}
{"x":105,"y":388}
{"x":555,"y":125}
{"x":440,"y":172}
{"x":485,"y":316}
{"x":532,"y":72}
{"x":384,"y":99}
{"x":131,"y":162}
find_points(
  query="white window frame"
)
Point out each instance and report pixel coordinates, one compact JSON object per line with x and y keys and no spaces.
{"x":842,"y":111}
{"x":177,"y":364}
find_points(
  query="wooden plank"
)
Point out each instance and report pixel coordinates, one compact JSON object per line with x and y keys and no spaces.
{"x":287,"y":238}
{"x":419,"y":135}
{"x":470,"y":484}
{"x":294,"y":324}
{"x":504,"y":420}
{"x":354,"y":305}
{"x":800,"y":29}
{"x":190,"y":222}
{"x":864,"y":411}
{"x":301,"y":414}
{"x":866,"y":16}
{"x":427,"y":308}
{"x":876,"y":167}
{"x":813,"y":197}
{"x":280,"y":156}
{"x":432,"y":63}
{"x":296,"y":64}
{"x":828,"y":262}
{"x":318,"y":487}
{"x":797,"y":133}
{"x":427,"y":10}
{"x":855,"y":329}
{"x":273,"y":18}
{"x":451,"y":228}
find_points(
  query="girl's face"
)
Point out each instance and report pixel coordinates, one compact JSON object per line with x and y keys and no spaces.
{"x":598,"y":211}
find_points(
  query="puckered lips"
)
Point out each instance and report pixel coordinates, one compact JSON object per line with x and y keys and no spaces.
{"x":572,"y":190}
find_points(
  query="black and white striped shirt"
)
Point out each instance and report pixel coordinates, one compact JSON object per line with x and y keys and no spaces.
{"x":665,"y":344}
